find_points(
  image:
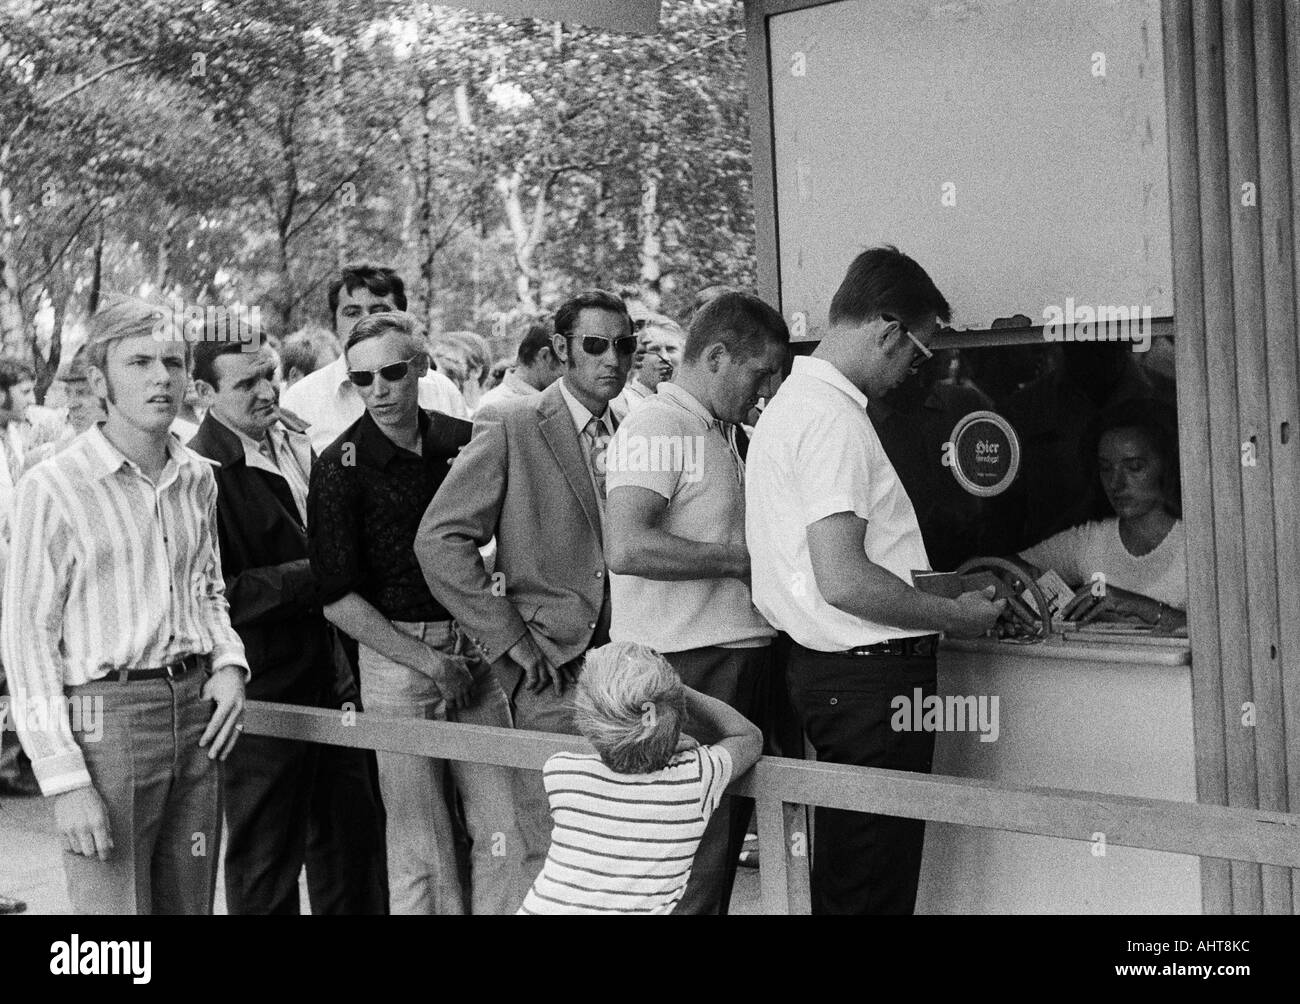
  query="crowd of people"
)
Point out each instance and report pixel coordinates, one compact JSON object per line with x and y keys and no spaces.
{"x":611,"y":541}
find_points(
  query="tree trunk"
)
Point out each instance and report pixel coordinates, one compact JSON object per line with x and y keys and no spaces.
{"x":424,"y":188}
{"x":163,"y":266}
{"x":527,"y":238}
{"x":11,"y":318}
{"x":97,"y":276}
{"x":650,"y":227}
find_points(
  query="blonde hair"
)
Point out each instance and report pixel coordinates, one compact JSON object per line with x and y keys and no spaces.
{"x":630,"y":705}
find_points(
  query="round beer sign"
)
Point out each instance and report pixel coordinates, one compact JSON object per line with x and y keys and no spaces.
{"x":984,"y":453}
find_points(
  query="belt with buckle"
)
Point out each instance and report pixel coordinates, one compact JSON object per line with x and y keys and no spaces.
{"x":923,"y":646}
{"x":172,"y":671}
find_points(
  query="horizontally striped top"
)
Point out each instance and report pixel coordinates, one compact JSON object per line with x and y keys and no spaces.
{"x":107,"y":570}
{"x":624,"y":843}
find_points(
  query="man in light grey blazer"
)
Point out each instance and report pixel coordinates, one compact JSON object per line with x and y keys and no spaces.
{"x":533,"y":477}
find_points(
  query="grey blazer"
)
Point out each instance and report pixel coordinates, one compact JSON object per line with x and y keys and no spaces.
{"x":522,"y":478}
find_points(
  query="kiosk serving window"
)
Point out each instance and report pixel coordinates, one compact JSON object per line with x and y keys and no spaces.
{"x":1017,"y":150}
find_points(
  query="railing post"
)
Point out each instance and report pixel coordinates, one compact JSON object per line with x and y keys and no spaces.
{"x":798,"y":845}
{"x":772,"y":871}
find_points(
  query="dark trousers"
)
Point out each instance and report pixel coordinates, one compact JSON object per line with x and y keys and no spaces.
{"x":862,"y":863}
{"x":290,"y":804}
{"x":739,"y":677}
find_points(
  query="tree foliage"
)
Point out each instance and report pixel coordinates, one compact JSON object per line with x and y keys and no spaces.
{"x":242,"y":150}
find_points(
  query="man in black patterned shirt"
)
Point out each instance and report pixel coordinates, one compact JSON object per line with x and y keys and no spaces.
{"x":369,"y":491}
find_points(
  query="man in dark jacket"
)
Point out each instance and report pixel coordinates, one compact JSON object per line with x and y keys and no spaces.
{"x":287,"y":803}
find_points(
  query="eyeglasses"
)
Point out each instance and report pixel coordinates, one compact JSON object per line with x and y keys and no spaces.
{"x":925,"y":353}
{"x":594,"y":345}
{"x":392,"y":372}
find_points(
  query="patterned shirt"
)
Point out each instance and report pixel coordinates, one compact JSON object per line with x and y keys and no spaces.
{"x":365,"y":505}
{"x":624,"y":843}
{"x":108,"y":570}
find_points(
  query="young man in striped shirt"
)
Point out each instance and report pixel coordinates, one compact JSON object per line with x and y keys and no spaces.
{"x":629,"y":817}
{"x":127,"y":677}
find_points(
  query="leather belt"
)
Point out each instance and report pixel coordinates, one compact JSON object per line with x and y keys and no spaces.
{"x":923,"y":646}
{"x":172,"y":671}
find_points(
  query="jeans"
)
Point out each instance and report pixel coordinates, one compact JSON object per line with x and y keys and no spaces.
{"x":738,"y":677}
{"x":163,"y":797}
{"x":863,"y":863}
{"x":422,"y":870}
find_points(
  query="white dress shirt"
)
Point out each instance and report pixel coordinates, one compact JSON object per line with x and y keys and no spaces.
{"x":815,"y":453}
{"x":328,"y":402}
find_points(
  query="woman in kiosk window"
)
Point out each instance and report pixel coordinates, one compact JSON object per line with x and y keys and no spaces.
{"x":1140,"y":548}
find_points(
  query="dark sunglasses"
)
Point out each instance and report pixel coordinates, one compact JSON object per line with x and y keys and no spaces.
{"x":391,"y":373}
{"x":594,"y":345}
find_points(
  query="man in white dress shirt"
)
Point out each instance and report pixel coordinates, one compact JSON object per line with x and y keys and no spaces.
{"x":326,"y":399}
{"x":833,"y":540}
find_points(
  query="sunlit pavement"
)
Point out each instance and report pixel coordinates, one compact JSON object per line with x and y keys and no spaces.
{"x":31,"y":863}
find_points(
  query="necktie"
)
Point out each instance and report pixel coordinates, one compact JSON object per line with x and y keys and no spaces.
{"x":597,"y":443}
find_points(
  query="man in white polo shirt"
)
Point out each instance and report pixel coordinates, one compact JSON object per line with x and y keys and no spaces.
{"x":677,"y":557}
{"x":833,"y":540}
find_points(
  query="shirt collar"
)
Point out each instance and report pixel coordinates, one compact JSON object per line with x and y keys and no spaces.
{"x":581,"y":416}
{"x":376,"y":450}
{"x":517,"y":384}
{"x":820,"y":369}
{"x":253,"y":455}
{"x":107,"y":459}
{"x":685,"y":399}
{"x":337,"y":375}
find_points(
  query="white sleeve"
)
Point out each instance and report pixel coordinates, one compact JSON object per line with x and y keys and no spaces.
{"x":1062,"y":552}
{"x":715,"y":775}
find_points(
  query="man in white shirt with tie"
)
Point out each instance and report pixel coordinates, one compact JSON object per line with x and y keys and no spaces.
{"x":326,"y":399}
{"x":833,"y":540}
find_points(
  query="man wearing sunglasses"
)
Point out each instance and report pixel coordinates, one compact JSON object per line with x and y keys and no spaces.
{"x":369,"y":492}
{"x":833,"y":540}
{"x":326,"y":399}
{"x":548,"y":600}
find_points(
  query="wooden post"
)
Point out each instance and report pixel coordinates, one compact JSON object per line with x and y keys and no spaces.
{"x":1225,"y":445}
{"x":1276,"y":208}
{"x":1194,"y":433}
{"x":1252,"y":410}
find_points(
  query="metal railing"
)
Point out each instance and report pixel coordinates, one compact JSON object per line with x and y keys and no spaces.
{"x":782,"y":787}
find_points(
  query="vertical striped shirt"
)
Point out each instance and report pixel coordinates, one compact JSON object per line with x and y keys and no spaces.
{"x":108,"y":570}
{"x":624,"y":843}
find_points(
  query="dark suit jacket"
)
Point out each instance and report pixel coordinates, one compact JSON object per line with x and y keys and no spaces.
{"x":273,"y":596}
{"x":523,"y":478}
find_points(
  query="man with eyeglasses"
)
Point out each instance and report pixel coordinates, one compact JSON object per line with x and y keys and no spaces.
{"x":833,"y":539}
{"x":369,"y":492}
{"x":547,"y":602}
